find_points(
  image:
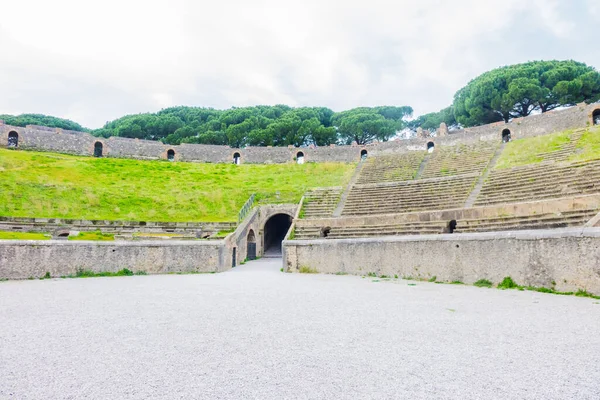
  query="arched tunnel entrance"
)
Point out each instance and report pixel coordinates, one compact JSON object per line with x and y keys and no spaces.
{"x":275,"y":229}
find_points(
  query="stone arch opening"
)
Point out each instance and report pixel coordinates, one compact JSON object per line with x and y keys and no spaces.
{"x":171,"y":155}
{"x":325,"y":231}
{"x":430,"y":147}
{"x":98,"y":148}
{"x":251,"y":245}
{"x":596,"y":117}
{"x":13,"y":139}
{"x":506,"y":136}
{"x":299,"y":157}
{"x":237,"y":158}
{"x":451,"y":227}
{"x":363,"y":154}
{"x":275,"y":230}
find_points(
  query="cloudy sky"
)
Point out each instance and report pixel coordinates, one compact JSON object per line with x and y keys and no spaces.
{"x":93,"y":61}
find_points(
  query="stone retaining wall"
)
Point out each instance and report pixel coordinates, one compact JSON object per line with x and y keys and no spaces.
{"x":22,"y":259}
{"x":565,"y":259}
{"x":81,"y":143}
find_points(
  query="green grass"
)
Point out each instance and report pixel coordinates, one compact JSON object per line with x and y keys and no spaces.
{"x":223,"y":234}
{"x":10,"y":235}
{"x":483,"y":283}
{"x":588,"y":146}
{"x":84,"y":273}
{"x":523,"y":151}
{"x":96,"y":235}
{"x":308,"y":270}
{"x":507,"y":283}
{"x":36,"y":184}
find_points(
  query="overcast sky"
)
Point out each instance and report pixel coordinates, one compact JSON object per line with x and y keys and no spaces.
{"x":93,"y":61}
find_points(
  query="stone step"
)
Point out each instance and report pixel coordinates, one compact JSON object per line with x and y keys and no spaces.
{"x":525,"y":191}
{"x":542,"y":184}
{"x":413,"y":189}
{"x":485,"y":202}
{"x":541,"y":173}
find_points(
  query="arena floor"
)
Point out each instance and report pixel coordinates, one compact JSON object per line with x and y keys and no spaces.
{"x":257,"y":333}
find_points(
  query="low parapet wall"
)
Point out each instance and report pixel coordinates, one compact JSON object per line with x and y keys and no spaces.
{"x":564,"y":259}
{"x":20,"y":259}
{"x":81,"y":143}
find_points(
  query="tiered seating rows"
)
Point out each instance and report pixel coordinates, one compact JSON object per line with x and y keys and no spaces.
{"x":437,"y":194}
{"x":540,"y":181}
{"x":509,"y":223}
{"x":459,"y":159}
{"x":320,"y":203}
{"x":391,"y":168}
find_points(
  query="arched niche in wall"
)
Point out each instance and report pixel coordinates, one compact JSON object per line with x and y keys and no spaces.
{"x":251,"y":245}
{"x":237,"y":158}
{"x":596,"y":117}
{"x":13,"y":139}
{"x":98,"y":149}
{"x":171,"y":155}
{"x":506,"y":136}
{"x":364,"y":154}
{"x":430,"y":147}
{"x":299,"y":157}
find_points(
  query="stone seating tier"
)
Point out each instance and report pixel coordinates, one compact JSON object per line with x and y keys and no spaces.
{"x":403,"y":197}
{"x":391,"y":168}
{"x":319,"y":203}
{"x":539,"y":221}
{"x":540,"y":181}
{"x":459,"y":159}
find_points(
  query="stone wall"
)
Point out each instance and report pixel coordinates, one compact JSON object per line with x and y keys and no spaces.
{"x":567,"y":259}
{"x":20,"y":259}
{"x":80,"y":143}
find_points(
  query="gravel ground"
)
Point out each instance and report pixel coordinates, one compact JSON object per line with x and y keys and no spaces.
{"x":258,"y":333}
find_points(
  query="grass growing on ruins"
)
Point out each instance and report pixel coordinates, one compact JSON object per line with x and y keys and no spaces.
{"x":588,"y":145}
{"x":10,"y":235}
{"x":96,"y":235}
{"x":36,"y":184}
{"x":525,"y":151}
{"x":84,"y":273}
{"x":308,"y":270}
{"x":507,"y":283}
{"x":483,"y":283}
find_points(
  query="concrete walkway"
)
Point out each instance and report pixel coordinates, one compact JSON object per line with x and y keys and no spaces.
{"x":257,"y":333}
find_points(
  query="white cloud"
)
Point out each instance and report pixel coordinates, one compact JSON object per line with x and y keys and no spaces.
{"x":94,"y":61}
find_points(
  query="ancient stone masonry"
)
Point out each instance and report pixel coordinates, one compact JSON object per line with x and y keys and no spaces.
{"x":81,"y":143}
{"x":564,"y":259}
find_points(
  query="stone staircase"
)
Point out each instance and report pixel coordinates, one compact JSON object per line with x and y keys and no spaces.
{"x":320,"y":202}
{"x":540,"y":181}
{"x":408,"y":196}
{"x":391,"y":168}
{"x":459,"y":159}
{"x":505,"y":223}
{"x":564,"y":150}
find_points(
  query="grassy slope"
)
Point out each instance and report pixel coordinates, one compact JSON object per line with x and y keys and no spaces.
{"x":61,"y":186}
{"x":8,"y":235}
{"x":523,"y":151}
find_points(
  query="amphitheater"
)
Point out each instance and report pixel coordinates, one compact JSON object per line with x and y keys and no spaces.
{"x":461,"y":207}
